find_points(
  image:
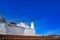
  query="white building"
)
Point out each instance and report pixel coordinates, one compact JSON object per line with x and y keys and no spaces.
{"x":18,"y":29}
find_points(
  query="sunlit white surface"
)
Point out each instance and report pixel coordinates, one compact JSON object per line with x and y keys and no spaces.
{"x":19,"y":29}
{"x":2,"y":28}
{"x":23,"y":25}
{"x":32,"y":25}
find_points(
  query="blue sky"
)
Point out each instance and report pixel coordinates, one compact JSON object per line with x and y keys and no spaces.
{"x":44,"y":13}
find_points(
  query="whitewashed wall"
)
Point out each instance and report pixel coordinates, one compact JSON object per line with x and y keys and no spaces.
{"x":14,"y":30}
{"x":2,"y":28}
{"x":29,"y":32}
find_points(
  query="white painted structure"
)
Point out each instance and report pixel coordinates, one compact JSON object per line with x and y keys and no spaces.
{"x":29,"y":32}
{"x":32,"y":25}
{"x":5,"y":29}
{"x":2,"y":28}
{"x":14,"y":30}
{"x":19,"y":29}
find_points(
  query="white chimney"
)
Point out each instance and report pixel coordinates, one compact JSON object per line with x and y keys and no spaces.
{"x":32,"y":25}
